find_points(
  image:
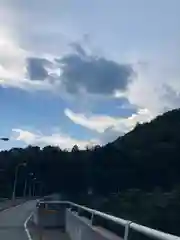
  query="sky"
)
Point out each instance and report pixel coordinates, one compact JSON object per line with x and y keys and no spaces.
{"x":85,"y":72}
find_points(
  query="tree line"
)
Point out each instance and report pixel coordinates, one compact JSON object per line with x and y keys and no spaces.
{"x":139,"y":169}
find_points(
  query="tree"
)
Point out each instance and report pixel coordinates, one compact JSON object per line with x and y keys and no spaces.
{"x":75,"y":148}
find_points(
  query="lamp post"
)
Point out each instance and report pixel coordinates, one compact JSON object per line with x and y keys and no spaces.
{"x":15,"y":179}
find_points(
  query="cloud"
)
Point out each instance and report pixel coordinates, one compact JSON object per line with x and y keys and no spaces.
{"x":36,"y":68}
{"x":12,"y":57}
{"x":78,"y":48}
{"x":55,"y":139}
{"x":97,"y":122}
{"x":28,"y":85}
{"x":153,"y":85}
{"x":107,"y":124}
{"x":93,"y":74}
{"x":16,"y":65}
{"x":156,"y":85}
{"x":13,"y":65}
{"x":73,"y":73}
{"x":125,"y":125}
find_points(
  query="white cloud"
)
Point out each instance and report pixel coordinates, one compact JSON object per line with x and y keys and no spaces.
{"x":28,"y":85}
{"x":13,"y":65}
{"x":156,"y":85}
{"x":55,"y":139}
{"x":12,"y":57}
{"x":96,"y":122}
{"x":101,"y":123}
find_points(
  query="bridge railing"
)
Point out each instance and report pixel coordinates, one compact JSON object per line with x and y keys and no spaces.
{"x":128,"y":225}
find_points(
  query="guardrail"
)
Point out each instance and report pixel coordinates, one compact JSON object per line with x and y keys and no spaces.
{"x":146,"y":231}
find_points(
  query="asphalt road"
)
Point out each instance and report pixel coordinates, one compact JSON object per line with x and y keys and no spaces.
{"x":12,"y":221}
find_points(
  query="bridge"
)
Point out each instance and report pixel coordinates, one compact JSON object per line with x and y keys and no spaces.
{"x":64,"y":220}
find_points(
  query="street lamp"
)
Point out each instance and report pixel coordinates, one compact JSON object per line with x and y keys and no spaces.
{"x":15,"y":179}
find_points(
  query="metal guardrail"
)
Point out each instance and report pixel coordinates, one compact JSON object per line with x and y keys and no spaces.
{"x":149,"y":232}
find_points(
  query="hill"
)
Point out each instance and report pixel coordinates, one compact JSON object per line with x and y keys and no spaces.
{"x":142,"y":168}
{"x":144,"y":158}
{"x":149,"y":155}
{"x":164,"y":128}
{"x":136,"y":177}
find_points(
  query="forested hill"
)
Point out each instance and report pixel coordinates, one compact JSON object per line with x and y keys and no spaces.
{"x":145,"y":158}
{"x":164,"y":129}
{"x":138,"y":173}
{"x":146,"y":164}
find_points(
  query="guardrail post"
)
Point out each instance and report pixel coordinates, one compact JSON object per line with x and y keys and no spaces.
{"x":78,"y":211}
{"x":126,"y":233}
{"x":92,"y":217}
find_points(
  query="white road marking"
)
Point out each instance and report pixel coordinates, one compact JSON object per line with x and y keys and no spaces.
{"x":11,"y":207}
{"x":26,"y":228}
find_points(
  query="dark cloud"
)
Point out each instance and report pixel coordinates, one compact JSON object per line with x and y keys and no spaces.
{"x":36,"y":68}
{"x":78,"y":48}
{"x":96,"y":75}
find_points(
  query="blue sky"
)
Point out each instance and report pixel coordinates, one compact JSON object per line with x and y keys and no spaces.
{"x":85,"y":72}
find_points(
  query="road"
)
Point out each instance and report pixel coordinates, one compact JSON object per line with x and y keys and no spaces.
{"x":12,"y":221}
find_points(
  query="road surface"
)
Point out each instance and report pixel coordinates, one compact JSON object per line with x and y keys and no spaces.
{"x":12,"y":221}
